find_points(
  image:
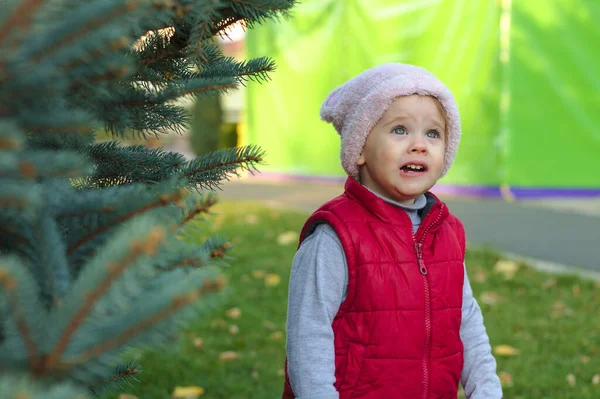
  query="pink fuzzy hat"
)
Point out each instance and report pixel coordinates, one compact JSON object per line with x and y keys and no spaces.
{"x":357,"y":105}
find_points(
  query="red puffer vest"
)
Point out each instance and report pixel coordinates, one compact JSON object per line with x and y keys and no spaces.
{"x":397,"y":331}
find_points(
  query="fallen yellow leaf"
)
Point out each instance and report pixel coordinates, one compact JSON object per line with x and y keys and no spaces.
{"x":596,"y":379}
{"x":187,"y":392}
{"x":559,"y":309}
{"x":505,"y":379}
{"x":480,"y":276}
{"x":218,"y":323}
{"x":507,"y":268}
{"x":505,"y":350}
{"x":584,"y":359}
{"x":127,"y":396}
{"x":287,"y":238}
{"x":571,"y":380}
{"x":198,"y":342}
{"x":233,"y":329}
{"x":234,"y":313}
{"x":257,"y":274}
{"x":229,"y":355}
{"x":549,"y":283}
{"x":269,"y":324}
{"x":272,"y":279}
{"x":491,"y":298}
{"x":277,"y":335}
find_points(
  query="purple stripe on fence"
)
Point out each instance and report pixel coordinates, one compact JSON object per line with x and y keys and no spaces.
{"x":455,"y":190}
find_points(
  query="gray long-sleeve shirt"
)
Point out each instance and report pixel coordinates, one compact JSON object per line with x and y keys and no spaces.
{"x":317,"y":288}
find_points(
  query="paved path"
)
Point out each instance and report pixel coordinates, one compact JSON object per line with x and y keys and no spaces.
{"x":550,"y":231}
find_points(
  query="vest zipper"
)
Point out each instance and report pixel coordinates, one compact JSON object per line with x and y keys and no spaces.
{"x":423,"y":270}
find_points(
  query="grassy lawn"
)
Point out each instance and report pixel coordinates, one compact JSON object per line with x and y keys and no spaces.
{"x":546,"y":328}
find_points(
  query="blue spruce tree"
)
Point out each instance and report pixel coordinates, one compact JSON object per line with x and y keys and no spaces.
{"x":91,"y":256}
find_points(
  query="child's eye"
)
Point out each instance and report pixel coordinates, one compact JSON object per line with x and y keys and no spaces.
{"x":399,"y":130}
{"x":434,"y":134}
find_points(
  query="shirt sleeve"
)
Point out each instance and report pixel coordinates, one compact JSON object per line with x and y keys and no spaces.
{"x":479,"y":378}
{"x":318,"y":284}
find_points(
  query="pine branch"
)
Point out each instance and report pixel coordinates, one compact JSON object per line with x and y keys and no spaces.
{"x":122,"y":376}
{"x":21,"y":196}
{"x":211,"y":250}
{"x":142,"y":246}
{"x":45,"y":129}
{"x":9,"y":283}
{"x":39,"y":116}
{"x":162,"y":201}
{"x":202,"y":206}
{"x":32,"y":165}
{"x":256,"y":70}
{"x":210,"y":169}
{"x":257,"y":4}
{"x":19,"y":19}
{"x":177,"y":303}
{"x":90,"y":26}
{"x":130,"y":164}
{"x":58,"y":141}
{"x":22,"y":386}
{"x":93,"y":56}
{"x":11,"y":136}
{"x":202,"y":29}
{"x":198,"y":87}
{"x":170,"y":52}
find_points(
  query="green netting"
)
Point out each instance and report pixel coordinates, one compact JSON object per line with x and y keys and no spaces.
{"x":550,"y":79}
{"x":554,"y":118}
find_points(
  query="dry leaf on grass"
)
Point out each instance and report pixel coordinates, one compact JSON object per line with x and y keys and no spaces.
{"x":505,"y":350}
{"x":272,"y":279}
{"x":269,"y":324}
{"x":251,"y":219}
{"x":480,"y":276}
{"x":258,"y":274}
{"x":491,"y":298}
{"x":549,"y":283}
{"x":571,"y":380}
{"x":576,"y":290}
{"x":584,"y":359}
{"x":277,"y":335}
{"x":218,"y":323}
{"x":596,"y":379}
{"x":505,"y":379}
{"x":198,"y":342}
{"x":233,"y":329}
{"x":229,"y":355}
{"x":234,"y":313}
{"x":287,"y":238}
{"x":187,"y":392}
{"x":559,"y":309}
{"x":508,"y":268}
{"x":127,"y":396}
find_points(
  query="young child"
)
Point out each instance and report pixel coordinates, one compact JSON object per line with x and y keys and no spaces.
{"x":380,"y":305}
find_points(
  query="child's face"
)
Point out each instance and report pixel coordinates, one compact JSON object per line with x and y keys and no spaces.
{"x":410,"y":132}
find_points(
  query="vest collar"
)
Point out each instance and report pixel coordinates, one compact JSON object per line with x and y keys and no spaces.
{"x":387,"y":212}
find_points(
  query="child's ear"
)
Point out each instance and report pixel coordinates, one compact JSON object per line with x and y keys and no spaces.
{"x":361,"y":160}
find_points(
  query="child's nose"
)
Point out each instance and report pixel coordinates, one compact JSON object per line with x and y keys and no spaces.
{"x":418,"y":144}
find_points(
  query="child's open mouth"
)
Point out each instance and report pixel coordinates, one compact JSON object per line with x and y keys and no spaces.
{"x":413,"y":168}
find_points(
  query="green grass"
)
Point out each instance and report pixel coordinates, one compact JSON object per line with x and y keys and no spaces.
{"x":553,"y":321}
